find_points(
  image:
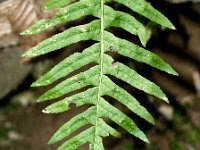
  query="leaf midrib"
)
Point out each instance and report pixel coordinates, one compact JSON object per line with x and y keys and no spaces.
{"x":101,"y":71}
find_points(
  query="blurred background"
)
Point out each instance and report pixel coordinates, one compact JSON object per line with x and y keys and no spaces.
{"x":24,"y":127}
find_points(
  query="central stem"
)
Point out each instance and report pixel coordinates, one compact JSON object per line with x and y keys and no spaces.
{"x":101,"y":68}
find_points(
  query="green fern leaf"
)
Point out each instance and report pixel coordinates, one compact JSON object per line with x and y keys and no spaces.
{"x":96,"y":77}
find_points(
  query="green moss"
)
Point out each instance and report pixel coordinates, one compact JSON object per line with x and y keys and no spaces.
{"x":192,"y":136}
{"x":176,"y":144}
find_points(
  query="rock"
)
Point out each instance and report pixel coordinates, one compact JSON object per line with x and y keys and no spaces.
{"x":14,"y":136}
{"x":8,"y":40}
{"x":18,"y":15}
{"x":12,"y":73}
{"x":8,"y":125}
{"x":5,"y":26}
{"x":25,"y":98}
{"x":5,"y":143}
{"x":194,"y":112}
{"x":167,"y":111}
{"x":196,"y":78}
{"x":192,"y":28}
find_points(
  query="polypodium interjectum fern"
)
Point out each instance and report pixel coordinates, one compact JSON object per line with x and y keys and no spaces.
{"x":96,"y":77}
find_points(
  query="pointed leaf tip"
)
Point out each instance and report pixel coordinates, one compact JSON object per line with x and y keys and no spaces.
{"x":147,"y":141}
{"x":50,"y":142}
{"x":176,"y":73}
{"x":35,"y":84}
{"x":44,"y":7}
{"x":39,"y":100}
{"x":42,"y":99}
{"x":26,"y":32}
{"x":45,"y":111}
{"x":166,"y":99}
{"x":172,"y":72}
{"x":27,"y":54}
{"x":57,"y":107}
{"x":22,"y":33}
{"x":173,"y":27}
{"x":23,"y":55}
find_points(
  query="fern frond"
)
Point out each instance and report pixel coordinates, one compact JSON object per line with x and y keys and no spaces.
{"x":96,"y":77}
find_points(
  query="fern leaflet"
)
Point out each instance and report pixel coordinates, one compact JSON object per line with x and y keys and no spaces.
{"x":96,"y":76}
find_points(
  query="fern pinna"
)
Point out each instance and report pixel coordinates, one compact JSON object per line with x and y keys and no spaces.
{"x":96,"y":76}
